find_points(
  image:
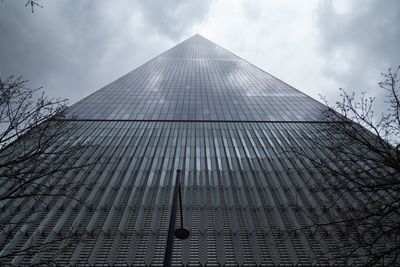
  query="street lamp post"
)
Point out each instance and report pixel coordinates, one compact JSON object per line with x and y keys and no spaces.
{"x":180,"y":233}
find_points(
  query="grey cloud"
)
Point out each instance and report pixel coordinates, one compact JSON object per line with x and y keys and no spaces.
{"x":73,"y":48}
{"x":46,"y":47}
{"x":251,"y":10}
{"x":173,"y":18}
{"x":360,"y":43}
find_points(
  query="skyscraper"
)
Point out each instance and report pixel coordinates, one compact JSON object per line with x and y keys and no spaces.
{"x":228,"y":126}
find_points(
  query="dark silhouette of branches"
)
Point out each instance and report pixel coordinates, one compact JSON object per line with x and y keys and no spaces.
{"x":38,"y":157}
{"x":32,"y":4}
{"x":357,"y":157}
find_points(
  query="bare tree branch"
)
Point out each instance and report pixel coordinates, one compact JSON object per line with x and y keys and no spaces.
{"x":37,"y":162}
{"x":33,"y":4}
{"x":359,"y":170}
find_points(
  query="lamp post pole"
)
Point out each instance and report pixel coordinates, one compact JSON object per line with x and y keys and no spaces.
{"x":180,"y":233}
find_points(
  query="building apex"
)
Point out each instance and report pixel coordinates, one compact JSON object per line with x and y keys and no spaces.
{"x":198,"y":80}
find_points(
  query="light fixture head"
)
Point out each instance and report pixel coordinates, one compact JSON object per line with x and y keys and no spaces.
{"x":182,"y":233}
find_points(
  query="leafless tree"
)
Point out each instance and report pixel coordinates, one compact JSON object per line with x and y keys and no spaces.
{"x":32,"y":4}
{"x":37,"y":150}
{"x":357,"y":156}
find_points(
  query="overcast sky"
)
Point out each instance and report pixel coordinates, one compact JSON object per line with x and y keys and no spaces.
{"x":72,"y":48}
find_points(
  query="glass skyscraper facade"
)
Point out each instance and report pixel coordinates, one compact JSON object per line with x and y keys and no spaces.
{"x":198,"y":81}
{"x":230,"y":127}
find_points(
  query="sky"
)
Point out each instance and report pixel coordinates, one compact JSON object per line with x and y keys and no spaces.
{"x":73,"y":48}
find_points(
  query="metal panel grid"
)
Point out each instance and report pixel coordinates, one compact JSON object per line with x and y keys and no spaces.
{"x":198,"y":80}
{"x":228,"y":126}
{"x":240,"y":187}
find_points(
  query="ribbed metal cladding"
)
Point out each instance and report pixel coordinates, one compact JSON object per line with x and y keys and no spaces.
{"x":230,"y":127}
{"x":240,"y":187}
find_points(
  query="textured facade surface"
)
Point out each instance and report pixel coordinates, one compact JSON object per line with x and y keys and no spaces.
{"x":230,"y":128}
{"x":198,"y":80}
